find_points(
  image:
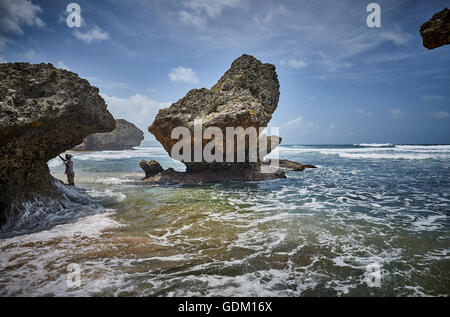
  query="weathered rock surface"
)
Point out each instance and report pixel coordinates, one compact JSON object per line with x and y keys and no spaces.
{"x":436,"y":32}
{"x":245,"y":96}
{"x":124,"y":137}
{"x":44,"y":111}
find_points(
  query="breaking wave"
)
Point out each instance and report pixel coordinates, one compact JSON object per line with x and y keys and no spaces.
{"x":376,"y":151}
{"x":375,"y":145}
{"x":42,"y":213}
{"x":139,"y":152}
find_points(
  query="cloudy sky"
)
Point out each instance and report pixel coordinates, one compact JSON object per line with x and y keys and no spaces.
{"x":341,"y":81}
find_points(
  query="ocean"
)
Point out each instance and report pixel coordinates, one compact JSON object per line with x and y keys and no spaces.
{"x":372,"y":220}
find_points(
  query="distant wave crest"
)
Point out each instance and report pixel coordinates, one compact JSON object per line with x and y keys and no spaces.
{"x":375,"y":145}
{"x":376,"y":151}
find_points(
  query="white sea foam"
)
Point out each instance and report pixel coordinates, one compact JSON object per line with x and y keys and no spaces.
{"x":377,"y":152}
{"x":259,"y":283}
{"x":360,"y":151}
{"x":29,"y":260}
{"x":90,"y":227}
{"x":117,"y":195}
{"x":429,"y":223}
{"x":112,"y":180}
{"x":389,"y":156}
{"x":118,"y":155}
{"x":445,"y":148}
{"x":312,"y":232}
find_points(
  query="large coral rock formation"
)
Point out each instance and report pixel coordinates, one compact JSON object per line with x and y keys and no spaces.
{"x":44,"y":111}
{"x":245,"y":96}
{"x":436,"y":32}
{"x":124,"y":137}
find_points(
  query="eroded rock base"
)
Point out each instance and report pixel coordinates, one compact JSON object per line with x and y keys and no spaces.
{"x":170,"y":176}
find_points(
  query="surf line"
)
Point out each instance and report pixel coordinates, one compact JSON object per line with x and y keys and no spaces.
{"x":189,"y":307}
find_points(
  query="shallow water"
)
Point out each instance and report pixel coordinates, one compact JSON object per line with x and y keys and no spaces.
{"x":311,"y":234}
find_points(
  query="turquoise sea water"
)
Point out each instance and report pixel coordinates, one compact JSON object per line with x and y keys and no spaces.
{"x":311,"y":234}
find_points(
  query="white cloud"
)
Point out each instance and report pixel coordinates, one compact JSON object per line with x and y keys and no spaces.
{"x":138,"y":109}
{"x":397,"y":37}
{"x":293,"y":25}
{"x":333,"y":65}
{"x":293,"y":122}
{"x":363,"y":112}
{"x":192,"y":19}
{"x":15,"y":14}
{"x":63,"y":14}
{"x":298,"y":126}
{"x":274,"y":15}
{"x":61,"y":65}
{"x":441,"y":115}
{"x":198,"y":11}
{"x":32,"y":56}
{"x":391,"y":57}
{"x":108,"y":84}
{"x":212,"y":8}
{"x":95,"y":34}
{"x":294,"y":63}
{"x":181,"y":74}
{"x":332,"y":126}
{"x":397,"y":113}
{"x":432,"y":97}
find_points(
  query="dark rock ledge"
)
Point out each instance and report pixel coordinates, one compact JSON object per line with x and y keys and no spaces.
{"x":155,"y":174}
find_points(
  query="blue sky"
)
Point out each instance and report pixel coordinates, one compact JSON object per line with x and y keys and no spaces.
{"x":341,"y":81}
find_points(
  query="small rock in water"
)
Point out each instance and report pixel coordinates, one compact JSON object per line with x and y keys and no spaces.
{"x":294,"y":166}
{"x":151,"y":168}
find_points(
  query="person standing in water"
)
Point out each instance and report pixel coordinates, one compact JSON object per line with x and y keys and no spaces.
{"x":69,"y":169}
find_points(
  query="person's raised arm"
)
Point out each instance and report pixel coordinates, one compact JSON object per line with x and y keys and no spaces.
{"x":61,"y":158}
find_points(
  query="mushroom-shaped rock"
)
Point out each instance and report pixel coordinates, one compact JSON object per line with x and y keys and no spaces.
{"x":44,"y":111}
{"x":245,"y":97}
